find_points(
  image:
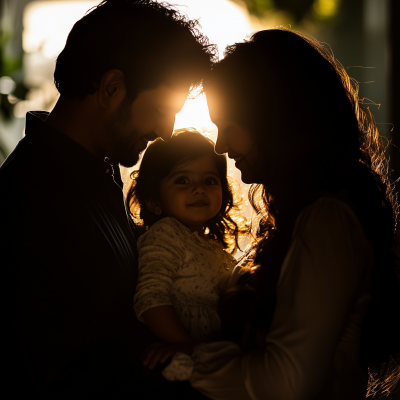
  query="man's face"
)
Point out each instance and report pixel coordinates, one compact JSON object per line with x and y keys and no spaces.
{"x":133,"y":125}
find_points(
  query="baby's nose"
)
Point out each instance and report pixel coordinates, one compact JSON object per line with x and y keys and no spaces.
{"x":200,"y":189}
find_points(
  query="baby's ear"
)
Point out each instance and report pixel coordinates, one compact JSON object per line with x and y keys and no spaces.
{"x":154,"y":206}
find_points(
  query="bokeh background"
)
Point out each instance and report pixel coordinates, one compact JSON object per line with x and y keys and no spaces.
{"x":361,"y":33}
{"x":364,"y":36}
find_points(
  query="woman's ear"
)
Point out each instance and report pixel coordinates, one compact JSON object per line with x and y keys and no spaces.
{"x":154,"y":206}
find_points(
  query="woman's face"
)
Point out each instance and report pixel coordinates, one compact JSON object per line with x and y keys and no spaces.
{"x":238,"y":143}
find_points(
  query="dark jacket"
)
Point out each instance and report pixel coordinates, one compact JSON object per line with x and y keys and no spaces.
{"x":68,"y":256}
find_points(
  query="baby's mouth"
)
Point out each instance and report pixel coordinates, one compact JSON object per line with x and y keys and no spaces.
{"x":198,"y":203}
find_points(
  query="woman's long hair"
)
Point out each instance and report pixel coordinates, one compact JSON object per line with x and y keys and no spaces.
{"x":160,"y":158}
{"x":298,"y":84}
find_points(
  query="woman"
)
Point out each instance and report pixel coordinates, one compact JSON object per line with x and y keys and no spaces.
{"x":323,"y":294}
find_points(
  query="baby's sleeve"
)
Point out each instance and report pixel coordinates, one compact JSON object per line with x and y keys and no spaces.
{"x":161,"y":254}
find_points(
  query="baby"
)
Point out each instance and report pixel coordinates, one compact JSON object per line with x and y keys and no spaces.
{"x":182,"y":198}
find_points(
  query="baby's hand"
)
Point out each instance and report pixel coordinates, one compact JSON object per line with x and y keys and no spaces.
{"x":161,"y":352}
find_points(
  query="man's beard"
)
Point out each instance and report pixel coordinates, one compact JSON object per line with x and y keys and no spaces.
{"x":122,"y":136}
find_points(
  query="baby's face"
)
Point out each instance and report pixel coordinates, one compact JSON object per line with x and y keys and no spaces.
{"x":192,"y":193}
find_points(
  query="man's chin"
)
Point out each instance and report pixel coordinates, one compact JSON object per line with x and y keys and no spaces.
{"x":129,"y":156}
{"x":129,"y":162}
{"x":125,"y":160}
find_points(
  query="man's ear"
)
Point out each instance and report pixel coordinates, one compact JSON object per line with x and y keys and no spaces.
{"x":112,"y":89}
{"x":154,"y":206}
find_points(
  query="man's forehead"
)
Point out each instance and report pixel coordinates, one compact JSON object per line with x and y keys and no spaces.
{"x":166,"y":96}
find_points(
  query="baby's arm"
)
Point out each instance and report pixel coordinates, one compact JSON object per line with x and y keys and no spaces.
{"x":160,"y":256}
{"x":165,"y":323}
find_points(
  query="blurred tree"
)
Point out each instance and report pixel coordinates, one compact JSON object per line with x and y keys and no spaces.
{"x":298,"y":9}
{"x":11,"y":53}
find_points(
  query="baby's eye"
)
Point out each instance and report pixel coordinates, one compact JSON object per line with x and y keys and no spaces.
{"x":210,"y":181}
{"x":182,"y":180}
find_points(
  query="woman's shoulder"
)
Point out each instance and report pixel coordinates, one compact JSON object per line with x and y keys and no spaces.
{"x":329,"y":214}
{"x":327,"y":205}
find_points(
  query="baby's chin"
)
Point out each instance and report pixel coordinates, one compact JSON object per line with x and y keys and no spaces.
{"x":192,"y":222}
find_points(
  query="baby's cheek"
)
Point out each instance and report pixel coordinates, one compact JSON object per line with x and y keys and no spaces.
{"x":175,"y":203}
{"x":217,"y":198}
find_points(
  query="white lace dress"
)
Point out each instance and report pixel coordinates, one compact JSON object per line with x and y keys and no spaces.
{"x":179,"y":268}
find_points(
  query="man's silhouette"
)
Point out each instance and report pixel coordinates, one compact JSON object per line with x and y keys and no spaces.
{"x":68,"y":249}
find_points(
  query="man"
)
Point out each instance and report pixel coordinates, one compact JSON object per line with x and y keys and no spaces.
{"x":68,"y":248}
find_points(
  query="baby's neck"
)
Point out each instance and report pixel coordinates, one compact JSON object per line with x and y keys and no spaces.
{"x":198,"y":229}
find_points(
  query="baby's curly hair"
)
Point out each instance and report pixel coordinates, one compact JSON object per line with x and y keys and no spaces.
{"x":159,"y":159}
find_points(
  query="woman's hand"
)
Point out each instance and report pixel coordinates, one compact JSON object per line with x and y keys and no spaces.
{"x":161,"y":352}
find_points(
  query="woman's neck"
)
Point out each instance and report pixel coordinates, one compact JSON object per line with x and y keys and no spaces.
{"x":289,"y":197}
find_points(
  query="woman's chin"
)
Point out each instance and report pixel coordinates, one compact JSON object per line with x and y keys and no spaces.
{"x":248,"y":178}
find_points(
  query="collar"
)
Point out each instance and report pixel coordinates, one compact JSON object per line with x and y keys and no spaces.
{"x":66,"y":153}
{"x":209,"y":244}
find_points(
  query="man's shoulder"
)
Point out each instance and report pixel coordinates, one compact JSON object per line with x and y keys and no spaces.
{"x":30,"y":180}
{"x":27,"y":157}
{"x":35,"y":164}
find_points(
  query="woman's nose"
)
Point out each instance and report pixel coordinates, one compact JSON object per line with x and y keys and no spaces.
{"x":221,"y":146}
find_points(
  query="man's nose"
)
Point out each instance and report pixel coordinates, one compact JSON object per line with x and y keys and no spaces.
{"x":221,"y":146}
{"x":166,"y":129}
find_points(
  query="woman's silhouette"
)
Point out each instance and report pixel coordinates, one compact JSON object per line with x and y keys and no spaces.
{"x":323,"y":293}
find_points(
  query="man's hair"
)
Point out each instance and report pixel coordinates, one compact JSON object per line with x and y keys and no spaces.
{"x":151,"y":43}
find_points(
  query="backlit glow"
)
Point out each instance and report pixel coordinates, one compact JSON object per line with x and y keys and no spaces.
{"x":48,"y":23}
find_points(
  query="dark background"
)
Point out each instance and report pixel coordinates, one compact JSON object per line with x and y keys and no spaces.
{"x":364,"y":35}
